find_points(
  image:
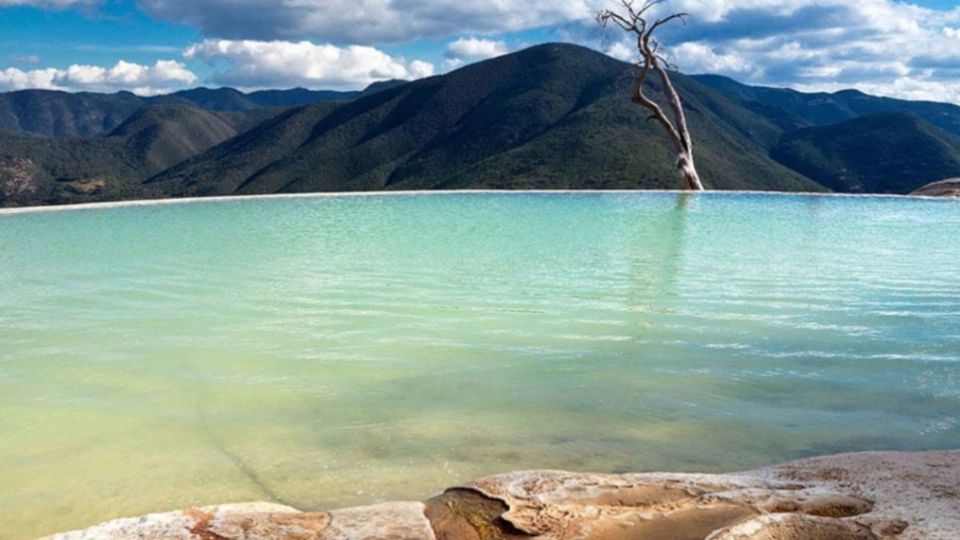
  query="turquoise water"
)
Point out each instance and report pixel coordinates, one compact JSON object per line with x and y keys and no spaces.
{"x":344,"y":350}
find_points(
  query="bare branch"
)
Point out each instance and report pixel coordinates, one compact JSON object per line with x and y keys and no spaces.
{"x":676,"y":16}
{"x":647,"y":6}
{"x":667,"y":63}
{"x":633,"y":20}
{"x":657,"y":112}
{"x":628,"y":5}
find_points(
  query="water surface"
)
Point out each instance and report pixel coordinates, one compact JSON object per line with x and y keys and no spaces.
{"x":344,"y":350}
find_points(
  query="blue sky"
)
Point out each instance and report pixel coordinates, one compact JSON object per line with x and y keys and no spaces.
{"x":887,"y":47}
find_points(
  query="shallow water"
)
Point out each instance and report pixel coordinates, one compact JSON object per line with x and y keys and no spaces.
{"x":344,"y":350}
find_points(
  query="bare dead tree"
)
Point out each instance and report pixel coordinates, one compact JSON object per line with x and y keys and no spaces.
{"x":635,"y":20}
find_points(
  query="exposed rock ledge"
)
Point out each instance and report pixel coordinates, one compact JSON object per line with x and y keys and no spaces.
{"x":943,"y":188}
{"x":867,"y":496}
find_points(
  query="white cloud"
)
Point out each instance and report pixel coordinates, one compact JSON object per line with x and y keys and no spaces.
{"x":276,"y":64}
{"x":366,"y":21}
{"x":467,"y":50}
{"x":164,"y":76}
{"x":16,"y":79}
{"x":879,"y":46}
{"x":622,"y":50}
{"x":476,"y":48}
{"x":893,"y":47}
{"x":698,"y":57}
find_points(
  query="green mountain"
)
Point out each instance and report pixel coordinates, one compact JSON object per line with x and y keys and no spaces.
{"x":825,"y":108}
{"x":297,"y":97}
{"x":552,"y":116}
{"x":881,"y":153}
{"x":161,"y":135}
{"x":46,"y":170}
{"x":228,"y":99}
{"x":383,"y":85}
{"x":213,"y":99}
{"x":61,"y":114}
{"x":57,"y":170}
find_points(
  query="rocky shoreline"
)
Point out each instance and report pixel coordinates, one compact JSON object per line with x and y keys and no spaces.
{"x":864,"y":496}
{"x":943,"y":188}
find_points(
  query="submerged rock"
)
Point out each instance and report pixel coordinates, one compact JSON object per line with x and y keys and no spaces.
{"x":867,"y":496}
{"x":943,"y":188}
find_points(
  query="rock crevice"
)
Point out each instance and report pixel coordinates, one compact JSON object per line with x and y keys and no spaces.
{"x":868,"y":496}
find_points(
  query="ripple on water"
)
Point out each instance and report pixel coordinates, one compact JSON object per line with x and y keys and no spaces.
{"x":337,"y":351}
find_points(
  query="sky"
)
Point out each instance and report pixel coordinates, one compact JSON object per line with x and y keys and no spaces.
{"x":885,"y":47}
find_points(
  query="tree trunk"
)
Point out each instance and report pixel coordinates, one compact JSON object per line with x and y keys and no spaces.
{"x":676,"y":129}
{"x":688,"y":173}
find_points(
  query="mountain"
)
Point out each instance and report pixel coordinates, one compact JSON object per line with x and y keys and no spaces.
{"x":552,"y":116}
{"x":826,"y":108}
{"x":46,"y":170}
{"x":57,"y":170}
{"x":61,"y":114}
{"x":880,"y":153}
{"x":383,"y":85}
{"x":297,"y":97}
{"x":212,"y":99}
{"x":229,"y":99}
{"x":160,"y":135}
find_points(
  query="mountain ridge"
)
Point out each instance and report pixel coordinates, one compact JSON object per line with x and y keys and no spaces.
{"x":876,"y":153}
{"x":824,"y":108}
{"x":160,"y":135}
{"x":488,"y":125}
{"x":553,"y":116}
{"x":57,"y":113}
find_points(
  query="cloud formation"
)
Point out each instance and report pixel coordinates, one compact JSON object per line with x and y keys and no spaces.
{"x":468,"y":50}
{"x":365,"y":21}
{"x":164,"y":76}
{"x":878,"y":46}
{"x":890,"y":47}
{"x":277,"y":64}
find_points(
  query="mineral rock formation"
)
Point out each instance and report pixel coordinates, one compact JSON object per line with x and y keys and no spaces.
{"x":943,"y":188}
{"x":867,"y":496}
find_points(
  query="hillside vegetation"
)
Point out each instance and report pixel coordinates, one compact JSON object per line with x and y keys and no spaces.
{"x":554,"y":116}
{"x":882,"y":153}
{"x":158,"y":136}
{"x":37,"y":170}
{"x":62,"y":114}
{"x":830,"y":108}
{"x":57,"y":170}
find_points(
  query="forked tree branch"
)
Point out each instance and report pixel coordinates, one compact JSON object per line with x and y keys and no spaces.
{"x":634,"y":20}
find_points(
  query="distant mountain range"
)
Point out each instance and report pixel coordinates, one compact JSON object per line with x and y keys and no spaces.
{"x":62,"y":114}
{"x":552,"y":116}
{"x":797,"y":109}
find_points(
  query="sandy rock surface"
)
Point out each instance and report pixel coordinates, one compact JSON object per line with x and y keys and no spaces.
{"x":865,"y":496}
{"x":943,"y":188}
